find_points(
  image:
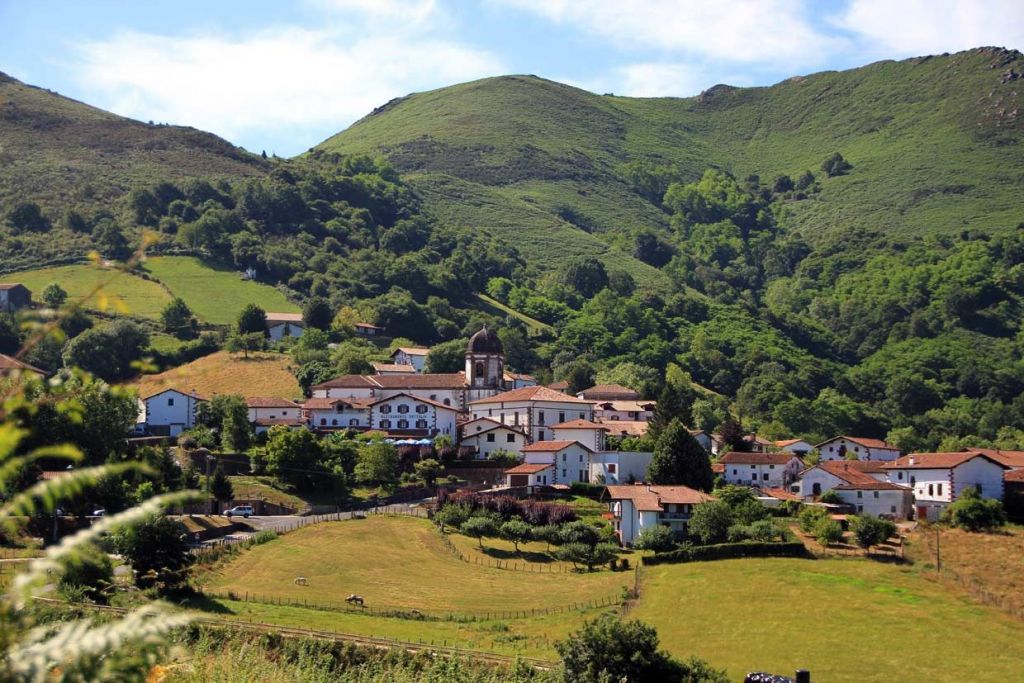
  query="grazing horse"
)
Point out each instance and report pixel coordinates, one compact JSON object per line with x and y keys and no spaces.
{"x":355,"y":600}
{"x":301,"y":581}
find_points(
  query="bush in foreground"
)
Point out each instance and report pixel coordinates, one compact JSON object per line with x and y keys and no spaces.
{"x":157,"y":551}
{"x":971,"y":512}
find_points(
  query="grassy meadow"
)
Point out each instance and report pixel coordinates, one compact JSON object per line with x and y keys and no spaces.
{"x":261,"y":374}
{"x":844,"y":619}
{"x":216,"y":295}
{"x":122,"y":292}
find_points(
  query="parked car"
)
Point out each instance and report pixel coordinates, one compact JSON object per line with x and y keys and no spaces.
{"x":99,"y":512}
{"x":240,"y":510}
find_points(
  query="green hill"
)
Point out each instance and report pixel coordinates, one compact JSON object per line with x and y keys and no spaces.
{"x":934,"y":142}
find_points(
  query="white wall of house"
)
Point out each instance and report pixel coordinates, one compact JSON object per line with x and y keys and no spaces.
{"x":416,"y":360}
{"x":630,"y":522}
{"x":762,"y":475}
{"x":344,"y":392}
{"x":571,"y":463}
{"x":832,"y":450}
{"x":448,"y":397}
{"x":534,"y":417}
{"x":619,"y":467}
{"x":935,"y":489}
{"x":171,"y":409}
{"x":496,"y":439}
{"x":278,"y":331}
{"x":815,"y":482}
{"x":281,"y":413}
{"x":542,"y":478}
{"x":403,"y":413}
{"x":885,"y":502}
{"x":592,"y":438}
{"x":341,"y":416}
{"x":799,"y":447}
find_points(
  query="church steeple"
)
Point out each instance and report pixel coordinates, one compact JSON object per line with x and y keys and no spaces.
{"x":485,"y":360}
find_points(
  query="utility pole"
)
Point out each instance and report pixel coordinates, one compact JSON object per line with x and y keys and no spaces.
{"x":938,"y":552}
{"x":209,"y":505}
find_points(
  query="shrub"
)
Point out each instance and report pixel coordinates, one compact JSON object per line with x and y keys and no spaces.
{"x":728,"y":551}
{"x":869,"y":531}
{"x":580,"y":488}
{"x":580,"y":532}
{"x":810,"y":516}
{"x":587,"y":555}
{"x":835,"y":165}
{"x":971,"y":512}
{"x":478,"y":527}
{"x":452,"y":515}
{"x":87,"y":574}
{"x":264,"y":536}
{"x":515,"y":530}
{"x":831,"y":498}
{"x":157,"y":551}
{"x":608,"y":649}
{"x":710,"y":521}
{"x":828,"y":531}
{"x":657,"y":538}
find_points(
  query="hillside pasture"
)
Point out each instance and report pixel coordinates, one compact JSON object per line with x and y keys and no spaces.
{"x":122,"y":292}
{"x":261,"y":374}
{"x":400,"y":563}
{"x":215,"y":294}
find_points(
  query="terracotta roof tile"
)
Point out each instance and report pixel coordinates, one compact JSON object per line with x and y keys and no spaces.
{"x":609,"y":391}
{"x":273,"y":318}
{"x":937,"y":461}
{"x":537,"y":393}
{"x":392,"y":367}
{"x":652,"y":498}
{"x":1015,"y":475}
{"x":529,"y":468}
{"x":9,"y":363}
{"x":580,"y":424}
{"x":866,"y":443}
{"x":1009,"y":458}
{"x":454,"y":380}
{"x":270,"y":402}
{"x":627,"y":427}
{"x":552,"y":446}
{"x":412,"y":350}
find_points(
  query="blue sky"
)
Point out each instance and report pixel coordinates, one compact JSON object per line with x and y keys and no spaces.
{"x":282,"y":76}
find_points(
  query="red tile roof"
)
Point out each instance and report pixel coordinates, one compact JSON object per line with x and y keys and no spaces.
{"x":627,"y":406}
{"x":284,"y":318}
{"x":853,"y":468}
{"x":780,"y":494}
{"x":454,"y":380}
{"x":346,"y":382}
{"x":156,"y":391}
{"x":738,"y":458}
{"x":652,"y":498}
{"x":552,"y":446}
{"x":609,"y":391}
{"x":1015,"y":475}
{"x":519,"y":376}
{"x":325,"y":403}
{"x":413,"y":398}
{"x":1013,"y":459}
{"x":537,"y":393}
{"x":580,"y":424}
{"x":289,"y":422}
{"x":270,"y":402}
{"x":559,"y":386}
{"x":787,"y":442}
{"x":392,"y":367}
{"x":627,"y":427}
{"x":718,"y":467}
{"x":529,"y":468}
{"x":9,"y":364}
{"x":937,"y":461}
{"x":10,"y":285}
{"x":412,"y":350}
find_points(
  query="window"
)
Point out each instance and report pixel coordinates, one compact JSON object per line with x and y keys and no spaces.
{"x":510,"y":438}
{"x":540,"y":435}
{"x":563,"y":473}
{"x":403,"y":424}
{"x":540,"y":417}
{"x":611,"y":468}
{"x":563,"y":457}
{"x":501,"y":418}
{"x":334,"y":423}
{"x":323,"y":421}
{"x":421,"y":424}
{"x":479,"y":369}
{"x":735,"y":472}
{"x":385,"y":408}
{"x":433,"y":397}
{"x":490,"y":437}
{"x":899,"y":475}
{"x":353,"y":422}
{"x":421,"y":409}
{"x":170,"y":401}
{"x":448,"y":402}
{"x":892,"y":509}
{"x":860,"y":508}
{"x":930,"y":491}
{"x":771,"y":467}
{"x":876,"y":494}
{"x":816,"y":489}
{"x":385,"y":424}
{"x":561,"y":417}
{"x":403,"y":408}
{"x":913,"y":480}
{"x":581,"y":457}
{"x":515,"y":418}
{"x":764,"y":477}
{"x":860,"y":494}
{"x":582,"y":417}
{"x":938,"y":489}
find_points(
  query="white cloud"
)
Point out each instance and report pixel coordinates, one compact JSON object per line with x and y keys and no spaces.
{"x":288,"y":79}
{"x":919,"y":27}
{"x":407,"y":11}
{"x":753,"y":31}
{"x":659,"y":79}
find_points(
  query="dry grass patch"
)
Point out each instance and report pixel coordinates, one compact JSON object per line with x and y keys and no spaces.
{"x":399,"y":563}
{"x":261,"y":374}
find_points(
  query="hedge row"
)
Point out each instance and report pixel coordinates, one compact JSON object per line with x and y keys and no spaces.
{"x":728,"y":551}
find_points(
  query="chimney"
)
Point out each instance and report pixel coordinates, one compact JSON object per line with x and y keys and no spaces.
{"x":911,"y":460}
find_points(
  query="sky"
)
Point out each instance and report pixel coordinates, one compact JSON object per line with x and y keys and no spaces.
{"x":281,"y":76}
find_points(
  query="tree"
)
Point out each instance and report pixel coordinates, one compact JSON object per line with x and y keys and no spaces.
{"x":452,"y":515}
{"x":427,"y":471}
{"x":108,"y":351}
{"x":378,"y":464}
{"x":810,"y":515}
{"x":710,"y":521}
{"x":971,"y":512}
{"x":549,"y":533}
{"x":252,"y":319}
{"x":89,"y":572}
{"x":580,"y":375}
{"x":608,"y":649}
{"x":54,"y":295}
{"x":657,"y":538}
{"x":830,"y":497}
{"x":251,"y":341}
{"x":588,"y":555}
{"x":449,"y":356}
{"x":586,"y":275}
{"x":293,"y":456}
{"x":27,"y":217}
{"x":177,"y":319}
{"x":229,"y":415}
{"x":110,"y":240}
{"x":680,"y":460}
{"x":517,"y":531}
{"x":828,"y":531}
{"x":317,"y":313}
{"x":220,"y":486}
{"x":870,"y":531}
{"x":478,"y":527}
{"x":157,"y":551}
{"x":783,"y":183}
{"x":805,"y":180}
{"x":835,"y":165}
{"x":733,"y":436}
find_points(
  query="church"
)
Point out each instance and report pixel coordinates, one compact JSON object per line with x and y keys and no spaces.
{"x":484,"y":376}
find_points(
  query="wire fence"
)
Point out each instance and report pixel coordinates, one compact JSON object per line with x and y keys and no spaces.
{"x":421,"y":615}
{"x":514,"y":566}
{"x":974,"y":586}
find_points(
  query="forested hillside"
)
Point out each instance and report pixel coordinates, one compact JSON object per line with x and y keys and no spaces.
{"x":841,"y":252}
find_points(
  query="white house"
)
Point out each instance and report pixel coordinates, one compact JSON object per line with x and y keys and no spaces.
{"x":570,"y":459}
{"x":619,"y":467}
{"x":530,"y":474}
{"x":392,"y":369}
{"x":487,"y":436}
{"x":265,"y":412}
{"x":590,"y":434}
{"x":798,"y":446}
{"x":609,"y":392}
{"x":938,"y":479}
{"x":516,"y":380}
{"x":838,"y":447}
{"x":635,"y":508}
{"x":14,"y":295}
{"x":280,"y":325}
{"x":368,"y":330}
{"x":764,"y":470}
{"x":533,"y":409}
{"x":623,"y":428}
{"x":415,"y":356}
{"x":323,"y":413}
{"x":170,"y":412}
{"x":861,"y":484}
{"x":409,"y":415}
{"x":629,"y":410}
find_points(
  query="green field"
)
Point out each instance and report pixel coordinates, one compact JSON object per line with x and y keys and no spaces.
{"x":123,"y":291}
{"x":216,"y":295}
{"x":844,"y":619}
